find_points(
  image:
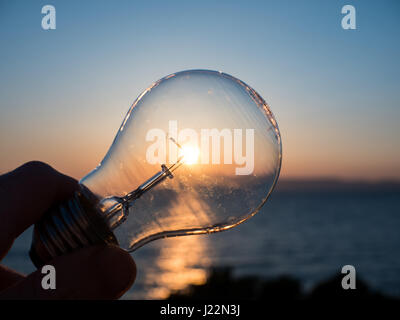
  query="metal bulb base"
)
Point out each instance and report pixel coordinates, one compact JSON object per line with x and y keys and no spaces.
{"x":72,"y":225}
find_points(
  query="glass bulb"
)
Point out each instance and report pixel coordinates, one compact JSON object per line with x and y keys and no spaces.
{"x":199,"y":151}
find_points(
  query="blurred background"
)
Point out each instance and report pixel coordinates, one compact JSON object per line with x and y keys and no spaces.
{"x":334,"y":93}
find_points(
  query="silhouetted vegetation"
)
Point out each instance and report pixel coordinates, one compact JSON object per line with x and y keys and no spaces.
{"x":222,"y":285}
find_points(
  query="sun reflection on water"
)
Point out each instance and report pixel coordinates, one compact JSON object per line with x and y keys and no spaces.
{"x":181,"y":262}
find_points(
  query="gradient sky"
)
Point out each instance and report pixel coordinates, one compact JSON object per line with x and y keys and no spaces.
{"x":335,"y":93}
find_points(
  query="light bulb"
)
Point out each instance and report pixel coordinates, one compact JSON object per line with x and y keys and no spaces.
{"x":198,"y":152}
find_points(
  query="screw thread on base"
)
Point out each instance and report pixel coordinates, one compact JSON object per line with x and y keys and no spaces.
{"x":74,"y":224}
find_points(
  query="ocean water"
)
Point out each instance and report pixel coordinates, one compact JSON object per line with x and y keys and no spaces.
{"x":309,"y":235}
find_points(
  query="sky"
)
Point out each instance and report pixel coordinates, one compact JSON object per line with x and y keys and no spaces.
{"x":335,"y":93}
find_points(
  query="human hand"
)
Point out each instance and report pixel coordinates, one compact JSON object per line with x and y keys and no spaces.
{"x":97,"y":272}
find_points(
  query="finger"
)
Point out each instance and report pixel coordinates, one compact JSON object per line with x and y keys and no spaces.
{"x":25,"y":194}
{"x":9,"y":277}
{"x":101,"y":272}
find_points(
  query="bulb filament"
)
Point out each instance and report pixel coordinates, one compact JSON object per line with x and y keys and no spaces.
{"x":123,"y":203}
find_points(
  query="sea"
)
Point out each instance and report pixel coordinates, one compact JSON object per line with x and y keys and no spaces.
{"x":307,"y":230}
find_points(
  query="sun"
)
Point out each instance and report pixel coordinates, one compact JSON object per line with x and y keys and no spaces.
{"x":190,"y":154}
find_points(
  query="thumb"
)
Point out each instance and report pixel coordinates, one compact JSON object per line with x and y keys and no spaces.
{"x":99,"y":272}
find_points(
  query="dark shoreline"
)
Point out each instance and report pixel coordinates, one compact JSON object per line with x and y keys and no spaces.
{"x":221,"y":284}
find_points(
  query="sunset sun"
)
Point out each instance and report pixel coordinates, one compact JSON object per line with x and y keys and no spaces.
{"x":190,"y":154}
